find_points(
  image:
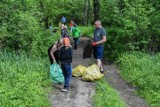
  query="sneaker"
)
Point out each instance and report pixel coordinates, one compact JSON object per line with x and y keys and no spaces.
{"x":102,"y":72}
{"x":64,"y":90}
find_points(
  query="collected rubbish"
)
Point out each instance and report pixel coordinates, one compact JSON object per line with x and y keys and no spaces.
{"x":90,"y":73}
{"x":78,"y":71}
{"x":56,"y":74}
{"x":87,"y":50}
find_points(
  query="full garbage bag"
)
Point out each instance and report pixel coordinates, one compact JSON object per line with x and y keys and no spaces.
{"x":78,"y":71}
{"x":92,"y":73}
{"x":87,"y":50}
{"x":56,"y":74}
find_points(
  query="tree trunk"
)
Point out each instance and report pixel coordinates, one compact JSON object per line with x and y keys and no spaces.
{"x":88,"y":12}
{"x":96,"y":7}
{"x":85,"y":12}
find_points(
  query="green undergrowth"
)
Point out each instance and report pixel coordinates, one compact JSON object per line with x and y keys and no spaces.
{"x":24,"y":80}
{"x":143,"y":71}
{"x":106,"y":96}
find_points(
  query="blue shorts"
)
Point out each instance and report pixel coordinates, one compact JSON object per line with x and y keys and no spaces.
{"x":98,"y":52}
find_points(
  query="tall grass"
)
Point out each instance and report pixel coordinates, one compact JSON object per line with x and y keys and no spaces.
{"x":143,"y":71}
{"x":106,"y":96}
{"x":24,"y":80}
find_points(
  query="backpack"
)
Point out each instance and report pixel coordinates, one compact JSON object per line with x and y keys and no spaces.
{"x":64,"y":33}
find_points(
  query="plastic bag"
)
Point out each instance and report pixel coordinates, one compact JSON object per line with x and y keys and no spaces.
{"x":56,"y":73}
{"x":92,"y":73}
{"x":78,"y":71}
{"x":87,"y":50}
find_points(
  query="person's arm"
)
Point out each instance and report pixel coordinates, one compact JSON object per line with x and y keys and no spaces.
{"x":53,"y":49}
{"x":102,"y":41}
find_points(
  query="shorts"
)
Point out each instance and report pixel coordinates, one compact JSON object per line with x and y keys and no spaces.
{"x":98,"y":52}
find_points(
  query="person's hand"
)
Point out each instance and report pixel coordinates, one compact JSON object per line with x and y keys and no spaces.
{"x":94,"y":43}
{"x":54,"y":61}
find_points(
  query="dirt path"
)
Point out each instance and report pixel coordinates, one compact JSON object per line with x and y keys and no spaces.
{"x":81,"y":92}
{"x":126,"y":91}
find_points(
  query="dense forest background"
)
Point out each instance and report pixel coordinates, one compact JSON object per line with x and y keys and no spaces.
{"x":132,"y":25}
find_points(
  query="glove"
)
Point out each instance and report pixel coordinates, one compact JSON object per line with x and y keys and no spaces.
{"x":94,"y":43}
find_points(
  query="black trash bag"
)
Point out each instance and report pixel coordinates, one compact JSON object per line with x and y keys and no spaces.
{"x":87,"y":50}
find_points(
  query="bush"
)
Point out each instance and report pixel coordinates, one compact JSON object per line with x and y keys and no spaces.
{"x":87,"y":31}
{"x":27,"y":35}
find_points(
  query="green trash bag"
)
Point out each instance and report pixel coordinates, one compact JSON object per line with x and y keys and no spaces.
{"x":56,"y":73}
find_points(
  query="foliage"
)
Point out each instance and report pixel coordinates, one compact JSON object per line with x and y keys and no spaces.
{"x":142,"y":70}
{"x":24,"y":81}
{"x":130,"y":26}
{"x":53,"y":10}
{"x":21,"y":29}
{"x":87,"y":31}
{"x":106,"y":96}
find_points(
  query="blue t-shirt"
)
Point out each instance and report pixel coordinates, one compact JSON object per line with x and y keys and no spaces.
{"x":63,"y":19}
{"x":98,"y":34}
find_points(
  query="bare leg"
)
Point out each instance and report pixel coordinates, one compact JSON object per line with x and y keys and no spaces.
{"x":101,"y":67}
{"x":99,"y":64}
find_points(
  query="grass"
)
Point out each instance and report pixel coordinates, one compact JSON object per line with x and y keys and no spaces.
{"x":142,"y":70}
{"x":106,"y":96}
{"x":24,"y":80}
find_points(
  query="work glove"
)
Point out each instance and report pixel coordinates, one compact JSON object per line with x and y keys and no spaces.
{"x":94,"y":43}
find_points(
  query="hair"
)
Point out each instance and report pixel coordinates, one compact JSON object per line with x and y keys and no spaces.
{"x":66,"y":41}
{"x":60,"y":41}
{"x":98,"y":21}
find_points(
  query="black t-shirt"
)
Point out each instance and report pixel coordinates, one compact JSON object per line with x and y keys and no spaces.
{"x":66,"y":55}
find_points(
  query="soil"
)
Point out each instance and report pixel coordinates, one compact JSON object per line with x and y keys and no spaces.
{"x":80,"y":92}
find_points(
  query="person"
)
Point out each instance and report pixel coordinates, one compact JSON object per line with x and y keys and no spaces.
{"x":50,"y":28}
{"x":71,"y":25}
{"x":66,"y":55}
{"x":53,"y":51}
{"x":63,"y":20}
{"x":76,"y":35}
{"x":64,"y":31}
{"x":98,"y":43}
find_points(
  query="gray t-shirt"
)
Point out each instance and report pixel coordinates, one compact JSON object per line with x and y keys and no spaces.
{"x":98,"y":34}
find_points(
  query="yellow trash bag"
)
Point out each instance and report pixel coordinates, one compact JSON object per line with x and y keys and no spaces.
{"x":92,"y":73}
{"x":78,"y":71}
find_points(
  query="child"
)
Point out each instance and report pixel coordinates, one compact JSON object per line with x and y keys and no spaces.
{"x":66,"y":60}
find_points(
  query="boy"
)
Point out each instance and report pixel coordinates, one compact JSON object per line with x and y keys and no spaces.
{"x":66,"y":55}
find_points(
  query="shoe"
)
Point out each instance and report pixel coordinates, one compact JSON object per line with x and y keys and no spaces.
{"x":64,"y":90}
{"x":102,"y":72}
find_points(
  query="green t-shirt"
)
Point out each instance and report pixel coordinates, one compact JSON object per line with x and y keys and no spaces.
{"x":76,"y":32}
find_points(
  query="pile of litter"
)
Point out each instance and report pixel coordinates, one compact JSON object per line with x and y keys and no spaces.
{"x":90,"y":73}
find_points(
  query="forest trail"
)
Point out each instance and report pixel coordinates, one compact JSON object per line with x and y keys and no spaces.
{"x":80,"y":93}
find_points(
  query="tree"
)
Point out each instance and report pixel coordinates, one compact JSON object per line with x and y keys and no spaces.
{"x":96,"y":5}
